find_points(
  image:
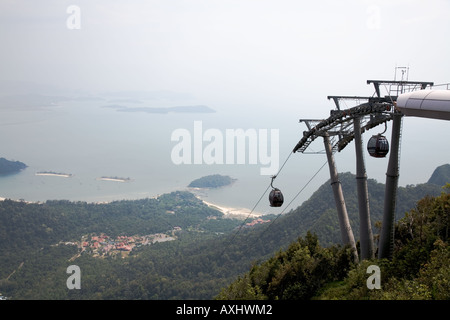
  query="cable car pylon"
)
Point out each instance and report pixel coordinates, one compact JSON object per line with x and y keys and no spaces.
{"x":344,"y":223}
{"x":365,"y":226}
{"x":346,"y":125}
{"x":385,"y":247}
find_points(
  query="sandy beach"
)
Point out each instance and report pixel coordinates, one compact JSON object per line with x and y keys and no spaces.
{"x":114,"y":179}
{"x":63,"y":175}
{"x":237,"y":213}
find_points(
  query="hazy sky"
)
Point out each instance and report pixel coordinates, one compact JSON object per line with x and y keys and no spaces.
{"x":283,"y":54}
{"x":247,"y":49}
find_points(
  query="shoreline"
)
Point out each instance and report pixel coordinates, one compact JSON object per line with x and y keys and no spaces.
{"x":229,"y":212}
{"x":237,"y":213}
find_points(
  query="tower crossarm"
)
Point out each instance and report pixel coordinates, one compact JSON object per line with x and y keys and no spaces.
{"x":339,"y":123}
{"x":398,"y":87}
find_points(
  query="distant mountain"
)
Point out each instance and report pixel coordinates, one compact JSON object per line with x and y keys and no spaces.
{"x":8,"y":167}
{"x":441,"y":175}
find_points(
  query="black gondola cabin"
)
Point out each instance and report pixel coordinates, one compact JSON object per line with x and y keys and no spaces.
{"x":276,"y":198}
{"x":378,"y":146}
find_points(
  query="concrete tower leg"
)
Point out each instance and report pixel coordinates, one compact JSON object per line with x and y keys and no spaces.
{"x":344,"y":224}
{"x":386,"y":245}
{"x":365,"y":226}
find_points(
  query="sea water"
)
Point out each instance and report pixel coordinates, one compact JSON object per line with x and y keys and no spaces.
{"x":90,"y":139}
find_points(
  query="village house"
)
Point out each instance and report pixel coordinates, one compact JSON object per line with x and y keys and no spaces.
{"x":102,"y":244}
{"x":256,"y":221}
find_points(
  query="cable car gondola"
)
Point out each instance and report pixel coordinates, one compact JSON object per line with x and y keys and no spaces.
{"x":276,"y":198}
{"x":378,"y":146}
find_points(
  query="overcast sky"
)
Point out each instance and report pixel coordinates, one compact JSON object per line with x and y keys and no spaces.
{"x":283,"y":54}
{"x":252,"y":49}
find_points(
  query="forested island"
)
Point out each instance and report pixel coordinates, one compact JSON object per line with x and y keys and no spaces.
{"x":9,"y":167}
{"x":212,"y":181}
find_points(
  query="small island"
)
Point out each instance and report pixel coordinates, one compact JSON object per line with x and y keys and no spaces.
{"x":9,"y":167}
{"x":54,"y":174}
{"x":212,"y":181}
{"x":117,"y":179}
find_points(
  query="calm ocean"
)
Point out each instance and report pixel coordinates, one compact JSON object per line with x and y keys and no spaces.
{"x":88,"y":140}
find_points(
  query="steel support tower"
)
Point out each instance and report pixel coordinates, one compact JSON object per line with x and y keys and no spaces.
{"x":338,"y":130}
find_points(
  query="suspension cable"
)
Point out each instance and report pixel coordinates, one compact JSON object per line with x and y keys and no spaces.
{"x":295,"y":197}
{"x":242,"y":224}
{"x":273,"y":221}
{"x":254,"y":207}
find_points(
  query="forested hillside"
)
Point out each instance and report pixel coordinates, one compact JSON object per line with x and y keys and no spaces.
{"x":319,"y":215}
{"x":441,"y":175}
{"x":33,"y":225}
{"x":419,"y":269}
{"x":39,"y":241}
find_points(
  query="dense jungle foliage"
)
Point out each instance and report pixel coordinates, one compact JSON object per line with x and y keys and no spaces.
{"x":419,"y":269}
{"x":211,"y":251}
